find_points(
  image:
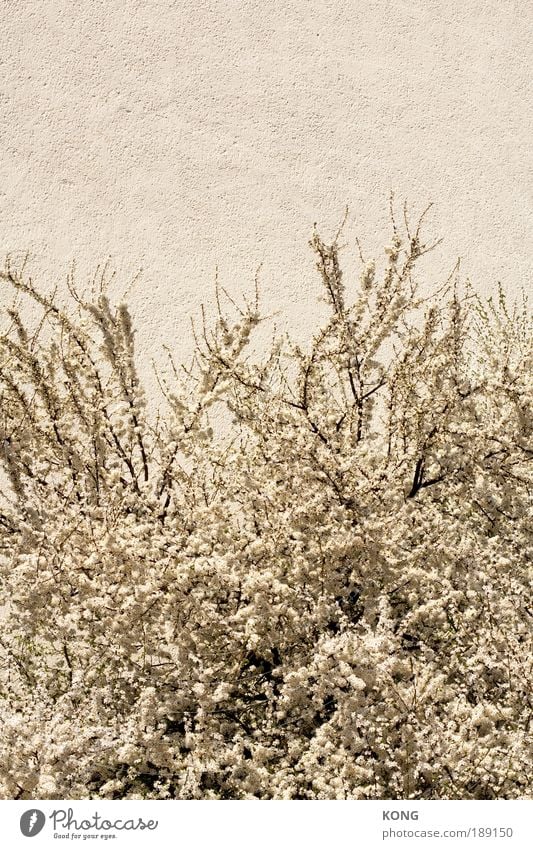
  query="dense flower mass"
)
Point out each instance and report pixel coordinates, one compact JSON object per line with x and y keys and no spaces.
{"x":307,"y":578}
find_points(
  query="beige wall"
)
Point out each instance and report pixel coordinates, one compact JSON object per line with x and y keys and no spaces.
{"x":178,"y":134}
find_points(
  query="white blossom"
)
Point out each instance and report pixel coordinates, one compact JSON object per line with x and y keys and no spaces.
{"x":307,"y":578}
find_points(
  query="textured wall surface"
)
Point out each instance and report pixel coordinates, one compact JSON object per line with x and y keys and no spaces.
{"x":175,"y":135}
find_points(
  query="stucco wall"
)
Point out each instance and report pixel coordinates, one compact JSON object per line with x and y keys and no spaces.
{"x":175,"y":136}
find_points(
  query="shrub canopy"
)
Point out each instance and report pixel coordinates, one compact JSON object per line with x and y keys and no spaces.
{"x":322,"y":593}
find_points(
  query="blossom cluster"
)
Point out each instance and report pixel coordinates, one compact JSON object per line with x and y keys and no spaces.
{"x":307,"y":578}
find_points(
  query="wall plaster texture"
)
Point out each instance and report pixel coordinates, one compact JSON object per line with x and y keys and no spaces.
{"x":178,"y":135}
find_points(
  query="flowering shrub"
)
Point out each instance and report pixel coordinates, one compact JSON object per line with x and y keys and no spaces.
{"x":320,"y":593}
